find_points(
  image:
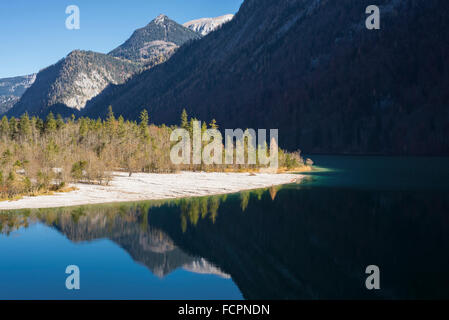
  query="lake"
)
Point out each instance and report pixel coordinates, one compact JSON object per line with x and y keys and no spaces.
{"x":311,"y":240}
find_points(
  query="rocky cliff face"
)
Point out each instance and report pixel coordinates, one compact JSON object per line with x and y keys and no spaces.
{"x":66,"y":86}
{"x":311,"y":69}
{"x":156,"y":42}
{"x":207,"y":25}
{"x":11,"y":89}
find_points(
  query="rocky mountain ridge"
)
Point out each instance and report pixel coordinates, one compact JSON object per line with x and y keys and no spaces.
{"x":155,"y":42}
{"x":11,"y":89}
{"x":205,"y":26}
{"x":68,"y":85}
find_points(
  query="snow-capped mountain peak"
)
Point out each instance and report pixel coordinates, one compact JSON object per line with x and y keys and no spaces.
{"x":207,"y":25}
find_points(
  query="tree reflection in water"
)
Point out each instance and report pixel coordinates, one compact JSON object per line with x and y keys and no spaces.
{"x":280,"y":243}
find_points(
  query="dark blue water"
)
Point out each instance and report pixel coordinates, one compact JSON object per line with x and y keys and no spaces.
{"x":312,"y":240}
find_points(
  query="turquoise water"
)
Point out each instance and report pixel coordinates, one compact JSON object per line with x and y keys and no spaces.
{"x":312,"y":240}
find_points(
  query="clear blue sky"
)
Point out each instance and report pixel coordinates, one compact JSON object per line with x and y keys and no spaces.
{"x":33,"y":33}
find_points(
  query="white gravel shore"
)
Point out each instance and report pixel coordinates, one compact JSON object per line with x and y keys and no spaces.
{"x":142,"y":186}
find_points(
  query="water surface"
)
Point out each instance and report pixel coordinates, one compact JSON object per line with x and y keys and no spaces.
{"x":304,"y":241}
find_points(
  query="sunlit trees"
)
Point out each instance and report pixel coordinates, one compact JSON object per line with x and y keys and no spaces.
{"x":184,"y":120}
{"x":50,"y":124}
{"x":143,"y":126}
{"x":38,"y":156}
{"x":4,"y":129}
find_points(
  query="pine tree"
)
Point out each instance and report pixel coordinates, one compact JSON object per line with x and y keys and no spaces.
{"x":110,"y":113}
{"x":50,"y":124}
{"x":184,"y":120}
{"x":40,"y":126}
{"x":144,"y":119}
{"x":190,"y":128}
{"x":59,"y":122}
{"x":203,"y":127}
{"x":110,"y":122}
{"x":13,"y":128}
{"x":121,"y":130}
{"x":213,"y":124}
{"x":83,"y":127}
{"x":24,"y":126}
{"x":4,"y":128}
{"x":98,"y":124}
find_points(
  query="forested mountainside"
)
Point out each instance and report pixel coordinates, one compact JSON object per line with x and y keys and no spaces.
{"x":313,"y":70}
{"x":11,"y":89}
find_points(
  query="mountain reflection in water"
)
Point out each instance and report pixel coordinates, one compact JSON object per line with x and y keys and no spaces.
{"x":128,"y":227}
{"x":302,"y":241}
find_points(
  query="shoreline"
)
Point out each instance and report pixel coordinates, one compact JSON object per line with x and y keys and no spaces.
{"x":152,"y":186}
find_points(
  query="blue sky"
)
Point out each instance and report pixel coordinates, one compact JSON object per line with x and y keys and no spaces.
{"x":33,"y":33}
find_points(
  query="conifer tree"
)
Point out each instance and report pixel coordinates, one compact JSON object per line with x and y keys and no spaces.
{"x":13,"y":128}
{"x":50,"y":124}
{"x":144,"y":119}
{"x":121,"y":128}
{"x":83,"y":127}
{"x":203,"y":127}
{"x":213,"y":124}
{"x":59,"y":122}
{"x":4,"y":128}
{"x":110,"y":122}
{"x":24,"y":126}
{"x":184,"y":120}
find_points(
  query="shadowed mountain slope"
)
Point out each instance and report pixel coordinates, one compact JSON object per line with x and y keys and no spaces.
{"x":313,"y":70}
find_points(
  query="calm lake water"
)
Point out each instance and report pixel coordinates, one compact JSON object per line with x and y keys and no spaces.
{"x":312,"y":240}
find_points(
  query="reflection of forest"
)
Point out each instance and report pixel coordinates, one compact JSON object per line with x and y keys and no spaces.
{"x":127,"y":226}
{"x":288,"y":243}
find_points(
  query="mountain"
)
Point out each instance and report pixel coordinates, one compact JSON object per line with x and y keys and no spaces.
{"x":66,"y":87}
{"x":156,"y":42}
{"x":149,"y":246}
{"x":311,"y":69}
{"x":207,"y":25}
{"x":11,"y":89}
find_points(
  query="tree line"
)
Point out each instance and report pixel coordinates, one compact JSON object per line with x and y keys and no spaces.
{"x":38,"y":156}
